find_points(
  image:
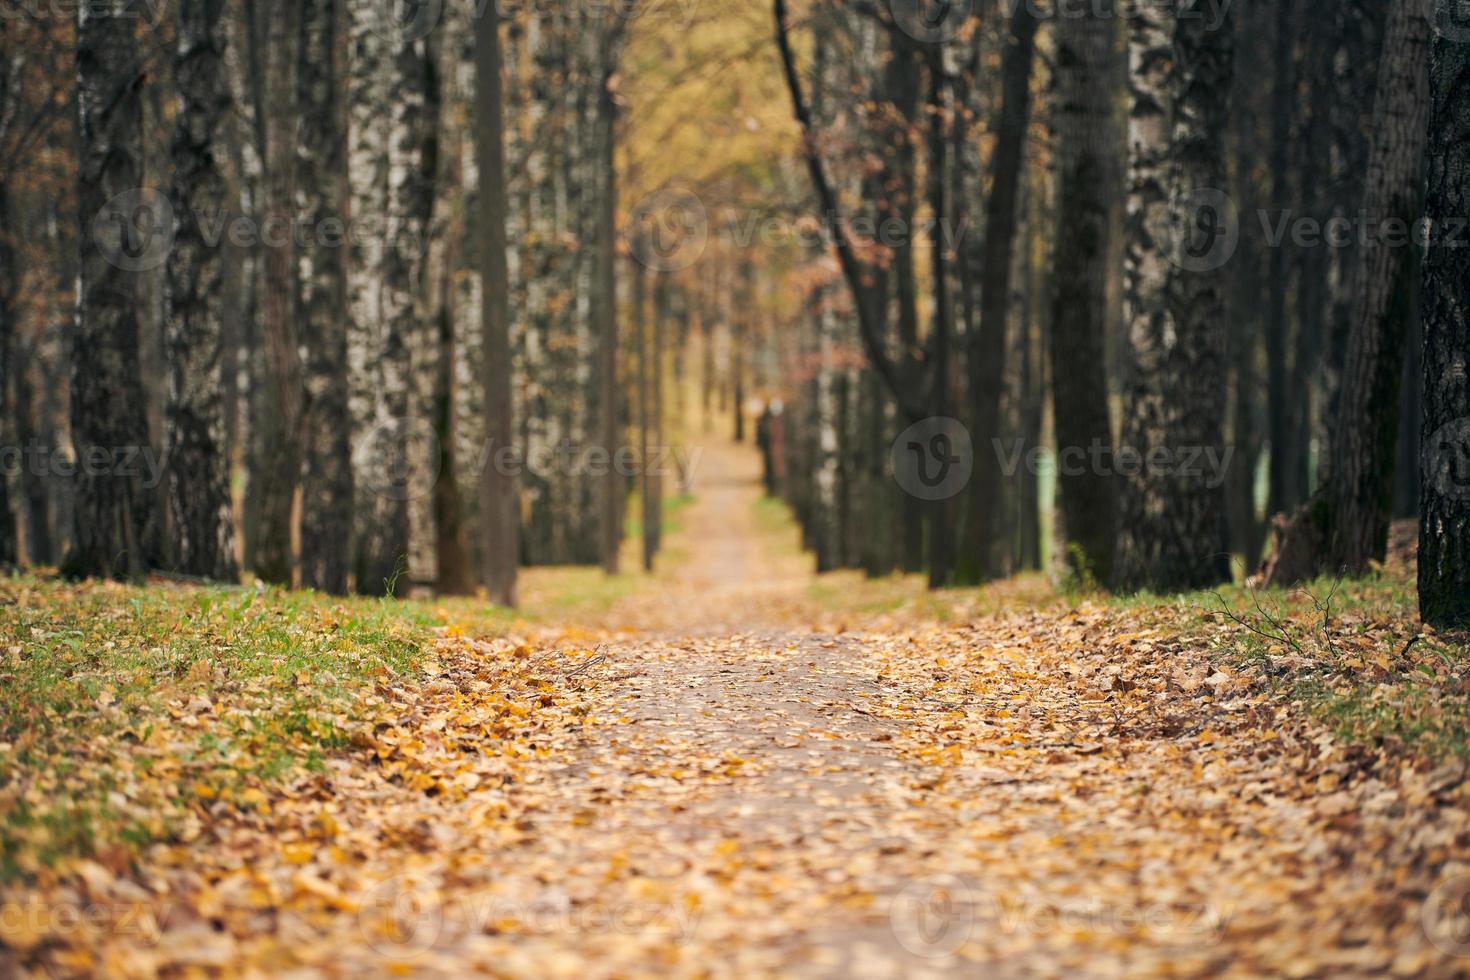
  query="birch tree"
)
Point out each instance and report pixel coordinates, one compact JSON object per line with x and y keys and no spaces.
{"x":198,"y":466}
{"x":321,"y":198}
{"x":499,"y":517}
{"x":117,"y":233}
{"x":1173,"y":532}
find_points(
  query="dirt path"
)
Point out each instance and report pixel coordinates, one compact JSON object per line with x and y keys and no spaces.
{"x":721,"y":788}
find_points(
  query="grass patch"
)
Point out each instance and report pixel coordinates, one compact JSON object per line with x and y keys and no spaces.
{"x":120,"y":705}
{"x":1351,"y":653}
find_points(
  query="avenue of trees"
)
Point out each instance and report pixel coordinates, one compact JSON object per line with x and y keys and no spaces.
{"x":287,"y":288}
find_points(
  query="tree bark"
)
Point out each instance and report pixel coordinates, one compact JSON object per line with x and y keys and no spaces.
{"x":613,"y":488}
{"x":987,"y":340}
{"x":499,"y":519}
{"x":1344,"y":526}
{"x":111,"y":506}
{"x":1079,"y":278}
{"x":1284,"y":493}
{"x":198,"y":465}
{"x":1444,"y":537}
{"x":278,"y":430}
{"x":390,"y":459}
{"x":321,"y":196}
{"x":638,"y":285}
{"x":1173,"y":533}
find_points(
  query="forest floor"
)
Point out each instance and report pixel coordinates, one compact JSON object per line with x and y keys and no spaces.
{"x":731,"y":768}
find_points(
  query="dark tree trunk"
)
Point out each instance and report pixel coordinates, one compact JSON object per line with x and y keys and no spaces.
{"x":638,"y":285}
{"x":1085,"y":150}
{"x":942,"y":512}
{"x":662,"y":311}
{"x":200,"y":508}
{"x":987,"y":339}
{"x":1173,"y":535}
{"x":1444,"y":538}
{"x":278,"y":425}
{"x":613,"y":488}
{"x":499,"y":514}
{"x":111,"y":504}
{"x":11,"y":407}
{"x":1345,"y":526}
{"x":1284,"y":493}
{"x":321,"y":195}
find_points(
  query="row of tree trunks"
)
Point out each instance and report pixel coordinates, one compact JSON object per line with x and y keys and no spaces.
{"x":1345,"y":525}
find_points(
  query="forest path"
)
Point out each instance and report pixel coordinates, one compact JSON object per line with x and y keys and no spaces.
{"x":715,"y":783}
{"x":727,"y":571}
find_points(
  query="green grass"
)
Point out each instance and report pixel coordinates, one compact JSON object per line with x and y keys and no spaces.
{"x":1351,"y":653}
{"x":119,"y":704}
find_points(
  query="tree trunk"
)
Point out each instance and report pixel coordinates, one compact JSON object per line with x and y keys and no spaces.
{"x":10,"y":405}
{"x":1284,"y":493}
{"x":278,"y":430}
{"x":1173,"y":532}
{"x":1444,"y":537}
{"x":1083,"y":113}
{"x":613,"y":488}
{"x":321,"y":196}
{"x":987,"y":340}
{"x":662,"y":312}
{"x":391,"y":460}
{"x":367,"y":170}
{"x":638,"y":285}
{"x":111,"y":504}
{"x":1345,"y":525}
{"x":198,"y":465}
{"x":942,"y":512}
{"x":499,"y":518}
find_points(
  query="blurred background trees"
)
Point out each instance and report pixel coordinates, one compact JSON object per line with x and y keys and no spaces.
{"x":378,"y":286}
